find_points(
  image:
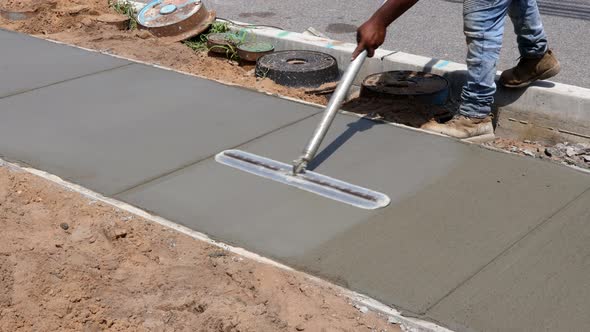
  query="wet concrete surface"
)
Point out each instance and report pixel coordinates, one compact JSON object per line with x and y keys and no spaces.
{"x":110,"y":133}
{"x":455,"y":207}
{"x":542,"y":282}
{"x":474,"y":239}
{"x":28,"y":63}
{"x":113,"y":130}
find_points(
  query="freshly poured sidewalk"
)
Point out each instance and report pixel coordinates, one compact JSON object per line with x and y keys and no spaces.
{"x":475,"y":240}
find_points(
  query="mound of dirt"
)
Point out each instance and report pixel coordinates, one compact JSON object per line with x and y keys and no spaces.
{"x":72,"y":264}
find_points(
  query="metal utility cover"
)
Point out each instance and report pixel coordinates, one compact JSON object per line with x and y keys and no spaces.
{"x":299,"y":68}
{"x":175,"y":20}
{"x":404,"y":84}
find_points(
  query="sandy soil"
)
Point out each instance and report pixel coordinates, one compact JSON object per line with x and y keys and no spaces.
{"x":68,"y":263}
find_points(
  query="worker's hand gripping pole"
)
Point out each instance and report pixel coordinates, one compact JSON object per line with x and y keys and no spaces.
{"x":334,"y":105}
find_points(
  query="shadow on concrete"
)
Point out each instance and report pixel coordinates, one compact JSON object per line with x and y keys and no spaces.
{"x":503,"y":97}
{"x":415,"y":113}
{"x":353,"y":128}
{"x":406,"y":111}
{"x":506,"y":96}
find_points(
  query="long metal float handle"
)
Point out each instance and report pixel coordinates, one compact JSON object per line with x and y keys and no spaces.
{"x":334,"y":105}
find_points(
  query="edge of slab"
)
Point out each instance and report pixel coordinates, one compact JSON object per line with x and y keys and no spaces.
{"x":394,"y":316}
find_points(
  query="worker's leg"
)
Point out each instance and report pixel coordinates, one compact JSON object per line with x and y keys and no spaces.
{"x":530,"y":35}
{"x":483,"y":28}
{"x":537,"y":62}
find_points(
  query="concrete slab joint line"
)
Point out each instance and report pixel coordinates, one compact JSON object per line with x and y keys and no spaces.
{"x":23,"y":70}
{"x":409,"y":324}
{"x":66,"y":80}
{"x":420,"y":245}
{"x":508,"y":249}
{"x":112,"y":116}
{"x":546,"y":275}
{"x":163,"y":175}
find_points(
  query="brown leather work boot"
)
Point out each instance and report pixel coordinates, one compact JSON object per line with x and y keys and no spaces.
{"x":529,"y":70}
{"x":466,"y":128}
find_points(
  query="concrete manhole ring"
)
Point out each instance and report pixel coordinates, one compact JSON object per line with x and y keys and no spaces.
{"x":298,"y":68}
{"x":404,"y":84}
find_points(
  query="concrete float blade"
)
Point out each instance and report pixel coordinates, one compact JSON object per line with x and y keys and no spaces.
{"x":309,"y":181}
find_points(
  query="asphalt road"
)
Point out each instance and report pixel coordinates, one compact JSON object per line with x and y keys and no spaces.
{"x":431,"y":28}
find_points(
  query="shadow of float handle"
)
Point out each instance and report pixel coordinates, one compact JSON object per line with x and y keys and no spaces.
{"x":334,"y":105}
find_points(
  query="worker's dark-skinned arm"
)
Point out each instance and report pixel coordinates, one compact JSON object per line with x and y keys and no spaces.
{"x":371,"y":34}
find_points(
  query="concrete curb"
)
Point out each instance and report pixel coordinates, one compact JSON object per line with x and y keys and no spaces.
{"x":554,"y":106}
{"x":394,"y":316}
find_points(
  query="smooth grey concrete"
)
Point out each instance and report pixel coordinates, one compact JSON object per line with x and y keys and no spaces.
{"x":543,"y":282}
{"x":431,"y":28}
{"x":28,"y":63}
{"x":455,"y":207}
{"x":116,"y":129}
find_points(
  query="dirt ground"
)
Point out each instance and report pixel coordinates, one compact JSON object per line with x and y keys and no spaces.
{"x":68,"y":263}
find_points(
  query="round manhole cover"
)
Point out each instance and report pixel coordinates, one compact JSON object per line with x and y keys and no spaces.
{"x":298,"y":68}
{"x":175,"y":20}
{"x":426,"y":87}
{"x":252,"y":51}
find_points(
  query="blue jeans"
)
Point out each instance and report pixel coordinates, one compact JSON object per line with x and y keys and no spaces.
{"x":484,"y":27}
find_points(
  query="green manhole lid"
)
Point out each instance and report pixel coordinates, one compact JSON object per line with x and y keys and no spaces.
{"x":256,"y":47}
